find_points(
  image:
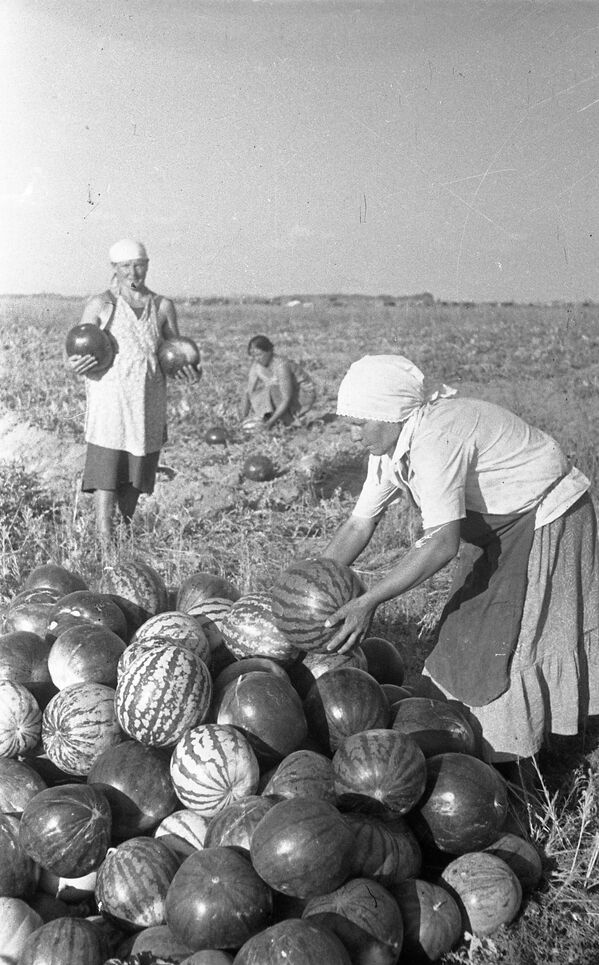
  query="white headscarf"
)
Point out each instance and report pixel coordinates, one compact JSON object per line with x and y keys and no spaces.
{"x":386,"y":388}
{"x":127,"y":250}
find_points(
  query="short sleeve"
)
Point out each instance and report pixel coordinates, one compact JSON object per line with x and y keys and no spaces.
{"x":438,"y":473}
{"x":379,"y":490}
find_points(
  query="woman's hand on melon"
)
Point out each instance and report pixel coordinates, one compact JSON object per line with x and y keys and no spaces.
{"x":81,"y":364}
{"x":355,"y":617}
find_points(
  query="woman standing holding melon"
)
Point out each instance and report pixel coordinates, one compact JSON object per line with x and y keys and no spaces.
{"x":125,"y":422}
{"x":518,"y":640}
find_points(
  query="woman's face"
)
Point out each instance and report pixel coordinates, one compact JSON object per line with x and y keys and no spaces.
{"x":132,"y":274}
{"x":260,"y":355}
{"x":379,"y":438}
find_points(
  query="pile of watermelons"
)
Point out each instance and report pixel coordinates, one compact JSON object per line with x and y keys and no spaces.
{"x":187,"y":775}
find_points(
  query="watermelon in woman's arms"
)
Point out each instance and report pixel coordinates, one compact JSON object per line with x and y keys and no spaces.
{"x":175,"y":353}
{"x":88,"y":339}
{"x":306,"y":594}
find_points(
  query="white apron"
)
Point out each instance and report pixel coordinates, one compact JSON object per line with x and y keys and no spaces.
{"x":126,"y":407}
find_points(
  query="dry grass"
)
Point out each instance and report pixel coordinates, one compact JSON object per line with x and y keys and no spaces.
{"x":541,"y":362}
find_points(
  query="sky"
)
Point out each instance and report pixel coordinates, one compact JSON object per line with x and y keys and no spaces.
{"x":264,"y":147}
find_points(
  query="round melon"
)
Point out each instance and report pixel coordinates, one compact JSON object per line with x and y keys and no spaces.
{"x":24,"y":659}
{"x":52,"y":576}
{"x":385,"y":848}
{"x":436,"y":725}
{"x":211,"y":766}
{"x":184,"y":831}
{"x":488,"y":891}
{"x":133,"y":882}
{"x":200,"y":587}
{"x":175,"y":627}
{"x":250,"y":630}
{"x":18,"y":784}
{"x":66,"y":829}
{"x":302,"y":847}
{"x":79,"y":724}
{"x":267,"y":710}
{"x":217,"y":900}
{"x":20,"y":719}
{"x":306,"y":594}
{"x":379,"y":770}
{"x":30,"y":611}
{"x":85,"y":606}
{"x":314,"y":664}
{"x":364,"y":916}
{"x":303,"y":773}
{"x":164,"y":691}
{"x":464,"y":805}
{"x":140,"y":585}
{"x":85,"y":653}
{"x":295,"y":941}
{"x":431,"y":916}
{"x":136,"y":780}
{"x":65,"y":940}
{"x":235,"y":826}
{"x":343,"y":702}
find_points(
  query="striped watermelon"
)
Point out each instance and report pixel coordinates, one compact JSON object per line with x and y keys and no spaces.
{"x":364,"y":915}
{"x":385,"y":849}
{"x":79,"y":724}
{"x":234,"y":827}
{"x":209,"y":614}
{"x":379,"y":769}
{"x":65,"y":940}
{"x":183,"y":831}
{"x":175,"y":627}
{"x":250,"y":630}
{"x":308,"y":592}
{"x":307,"y":671}
{"x":213,"y":765}
{"x":164,"y":691}
{"x":20,"y":719}
{"x":139,"y":585}
{"x":303,"y":773}
{"x":134,"y":880}
{"x":489,"y":892}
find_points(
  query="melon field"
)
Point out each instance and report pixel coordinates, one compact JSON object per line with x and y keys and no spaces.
{"x":207,"y":516}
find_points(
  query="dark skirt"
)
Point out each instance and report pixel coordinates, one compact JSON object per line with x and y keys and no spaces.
{"x":112,"y":469}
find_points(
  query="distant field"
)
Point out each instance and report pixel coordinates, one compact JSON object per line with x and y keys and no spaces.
{"x":543,"y":362}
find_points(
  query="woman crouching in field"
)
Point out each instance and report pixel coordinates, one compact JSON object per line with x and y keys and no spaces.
{"x":125,"y":421}
{"x":518,"y":641}
{"x":278,"y":390}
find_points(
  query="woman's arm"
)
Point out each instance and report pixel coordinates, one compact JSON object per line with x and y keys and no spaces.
{"x":350,"y":539}
{"x":286,"y":384}
{"x":167,"y":317}
{"x":425,"y":558}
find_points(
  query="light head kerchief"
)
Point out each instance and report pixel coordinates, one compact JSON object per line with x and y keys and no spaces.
{"x":385,"y":388}
{"x":127,"y":250}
